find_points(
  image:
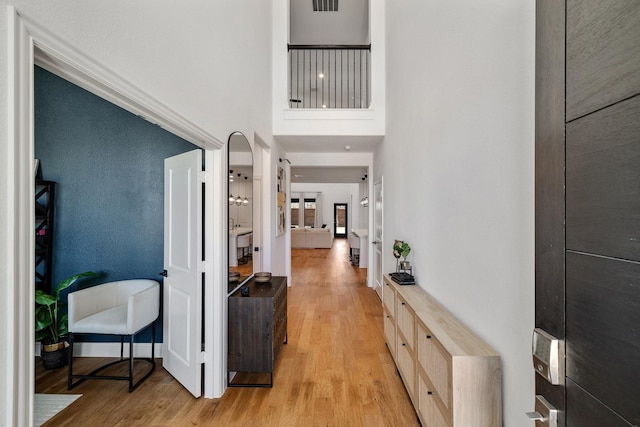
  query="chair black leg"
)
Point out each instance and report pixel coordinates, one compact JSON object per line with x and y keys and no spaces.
{"x":70,"y":361}
{"x":94,"y":374}
{"x":131,"y":363}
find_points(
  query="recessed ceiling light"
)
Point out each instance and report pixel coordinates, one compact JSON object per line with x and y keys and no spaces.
{"x":298,"y":176}
{"x":347,"y":147}
{"x":321,"y":76}
{"x":324,"y":105}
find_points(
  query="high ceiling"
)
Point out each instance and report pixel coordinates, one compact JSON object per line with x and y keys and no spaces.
{"x":349,"y":25}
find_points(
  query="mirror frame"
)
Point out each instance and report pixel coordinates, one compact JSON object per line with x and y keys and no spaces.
{"x":231,"y":142}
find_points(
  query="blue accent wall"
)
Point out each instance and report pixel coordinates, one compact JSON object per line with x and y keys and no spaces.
{"x":108,"y":165}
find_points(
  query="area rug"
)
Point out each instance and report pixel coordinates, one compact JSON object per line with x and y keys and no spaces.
{"x":46,"y":406}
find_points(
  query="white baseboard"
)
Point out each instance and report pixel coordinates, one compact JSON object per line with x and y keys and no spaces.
{"x":109,"y":349}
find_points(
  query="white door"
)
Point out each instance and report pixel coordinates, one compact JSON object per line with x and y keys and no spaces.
{"x":182,"y":318}
{"x":377,"y":237}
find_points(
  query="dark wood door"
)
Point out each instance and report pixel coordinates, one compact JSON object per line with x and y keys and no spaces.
{"x":588,"y":205}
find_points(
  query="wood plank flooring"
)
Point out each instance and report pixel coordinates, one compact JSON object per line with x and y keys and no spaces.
{"x":334,"y":371}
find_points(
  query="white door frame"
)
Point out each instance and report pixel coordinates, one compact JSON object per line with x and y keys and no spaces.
{"x":377,"y":266}
{"x":29,"y":43}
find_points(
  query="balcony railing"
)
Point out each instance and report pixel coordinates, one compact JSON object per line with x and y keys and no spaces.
{"x":329,"y":76}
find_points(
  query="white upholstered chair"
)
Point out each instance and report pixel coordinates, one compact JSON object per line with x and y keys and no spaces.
{"x":354,"y":248}
{"x":122,"y":308}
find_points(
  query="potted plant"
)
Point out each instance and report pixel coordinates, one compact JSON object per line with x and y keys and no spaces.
{"x":52,"y":323}
{"x":401,"y":249}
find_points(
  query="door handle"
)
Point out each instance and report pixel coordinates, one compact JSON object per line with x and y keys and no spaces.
{"x":536,"y":416}
{"x":376,"y":242}
{"x":544,"y":413}
{"x":163,"y":273}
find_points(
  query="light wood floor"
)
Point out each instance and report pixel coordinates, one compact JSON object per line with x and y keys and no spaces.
{"x":334,"y":371}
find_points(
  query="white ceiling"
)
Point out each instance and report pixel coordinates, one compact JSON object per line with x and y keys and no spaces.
{"x":349,"y":25}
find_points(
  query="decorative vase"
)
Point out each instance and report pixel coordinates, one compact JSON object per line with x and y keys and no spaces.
{"x":54,"y":356}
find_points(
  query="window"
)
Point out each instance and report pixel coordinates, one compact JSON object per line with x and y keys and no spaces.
{"x":309,"y":212}
{"x":295,"y":212}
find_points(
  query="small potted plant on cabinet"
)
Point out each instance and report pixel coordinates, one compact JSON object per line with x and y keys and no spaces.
{"x":52,"y":323}
{"x":401,"y":249}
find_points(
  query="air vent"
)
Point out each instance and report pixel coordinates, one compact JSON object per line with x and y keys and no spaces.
{"x":325,"y":5}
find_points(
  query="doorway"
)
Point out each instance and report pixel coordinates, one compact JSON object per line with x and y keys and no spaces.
{"x":33,"y":43}
{"x":377,"y":238}
{"x":340,"y":223}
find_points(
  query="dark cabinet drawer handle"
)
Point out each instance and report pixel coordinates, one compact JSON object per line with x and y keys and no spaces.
{"x":403,"y":303}
{"x":403,"y":344}
{"x":428,"y":337}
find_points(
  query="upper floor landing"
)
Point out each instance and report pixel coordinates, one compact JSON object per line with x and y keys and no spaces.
{"x":330,"y":88}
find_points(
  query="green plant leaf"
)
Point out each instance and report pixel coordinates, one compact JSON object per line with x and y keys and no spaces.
{"x":70,"y":281}
{"x":44,"y":298}
{"x":405,"y":249}
{"x":42,"y":334}
{"x":50,"y":322}
{"x":63,"y":325}
{"x":43,"y":319}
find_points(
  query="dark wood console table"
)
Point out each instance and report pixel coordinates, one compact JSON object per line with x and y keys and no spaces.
{"x":257,"y":331}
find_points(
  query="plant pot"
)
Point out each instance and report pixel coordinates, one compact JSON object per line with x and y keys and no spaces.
{"x":54,"y":356}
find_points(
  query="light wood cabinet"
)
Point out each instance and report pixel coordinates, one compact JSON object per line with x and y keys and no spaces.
{"x":453,"y":378}
{"x":389,"y":313}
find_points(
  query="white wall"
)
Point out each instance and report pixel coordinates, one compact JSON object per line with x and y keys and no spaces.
{"x":180,"y":53}
{"x":333,"y":193}
{"x":280,"y":245}
{"x":458,"y":162}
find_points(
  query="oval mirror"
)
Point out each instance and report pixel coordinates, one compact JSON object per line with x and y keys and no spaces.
{"x":240,"y":175}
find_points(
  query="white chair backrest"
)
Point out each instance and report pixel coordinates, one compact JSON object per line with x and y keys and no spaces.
{"x":126,"y":288}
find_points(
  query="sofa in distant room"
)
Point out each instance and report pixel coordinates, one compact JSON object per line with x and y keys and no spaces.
{"x":311,"y":238}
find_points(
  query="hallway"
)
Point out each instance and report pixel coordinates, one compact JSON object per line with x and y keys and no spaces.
{"x":334,"y":371}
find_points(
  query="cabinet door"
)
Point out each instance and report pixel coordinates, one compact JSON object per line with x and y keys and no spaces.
{"x":406,"y":321}
{"x":390,"y":332}
{"x":389,"y":299}
{"x":428,"y":409}
{"x":436,"y":363}
{"x":407,"y":366}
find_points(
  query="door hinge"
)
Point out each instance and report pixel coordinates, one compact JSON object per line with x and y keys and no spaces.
{"x":202,"y":356}
{"x":202,"y":175}
{"x":202,"y":267}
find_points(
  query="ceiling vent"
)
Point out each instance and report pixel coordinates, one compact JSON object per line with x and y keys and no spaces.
{"x":325,"y":5}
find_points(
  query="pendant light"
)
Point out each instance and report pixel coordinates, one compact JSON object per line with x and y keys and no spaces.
{"x":238,"y":199}
{"x":364,"y":202}
{"x":245,"y":202}
{"x":231,"y":198}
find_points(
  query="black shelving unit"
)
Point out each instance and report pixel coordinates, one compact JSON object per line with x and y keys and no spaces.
{"x":44,"y":194}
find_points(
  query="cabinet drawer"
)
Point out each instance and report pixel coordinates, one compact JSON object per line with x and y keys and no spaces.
{"x":407,"y":366}
{"x":436,"y":363}
{"x":390,"y":332}
{"x":389,"y":298}
{"x":405,"y":320}
{"x":428,"y":409}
